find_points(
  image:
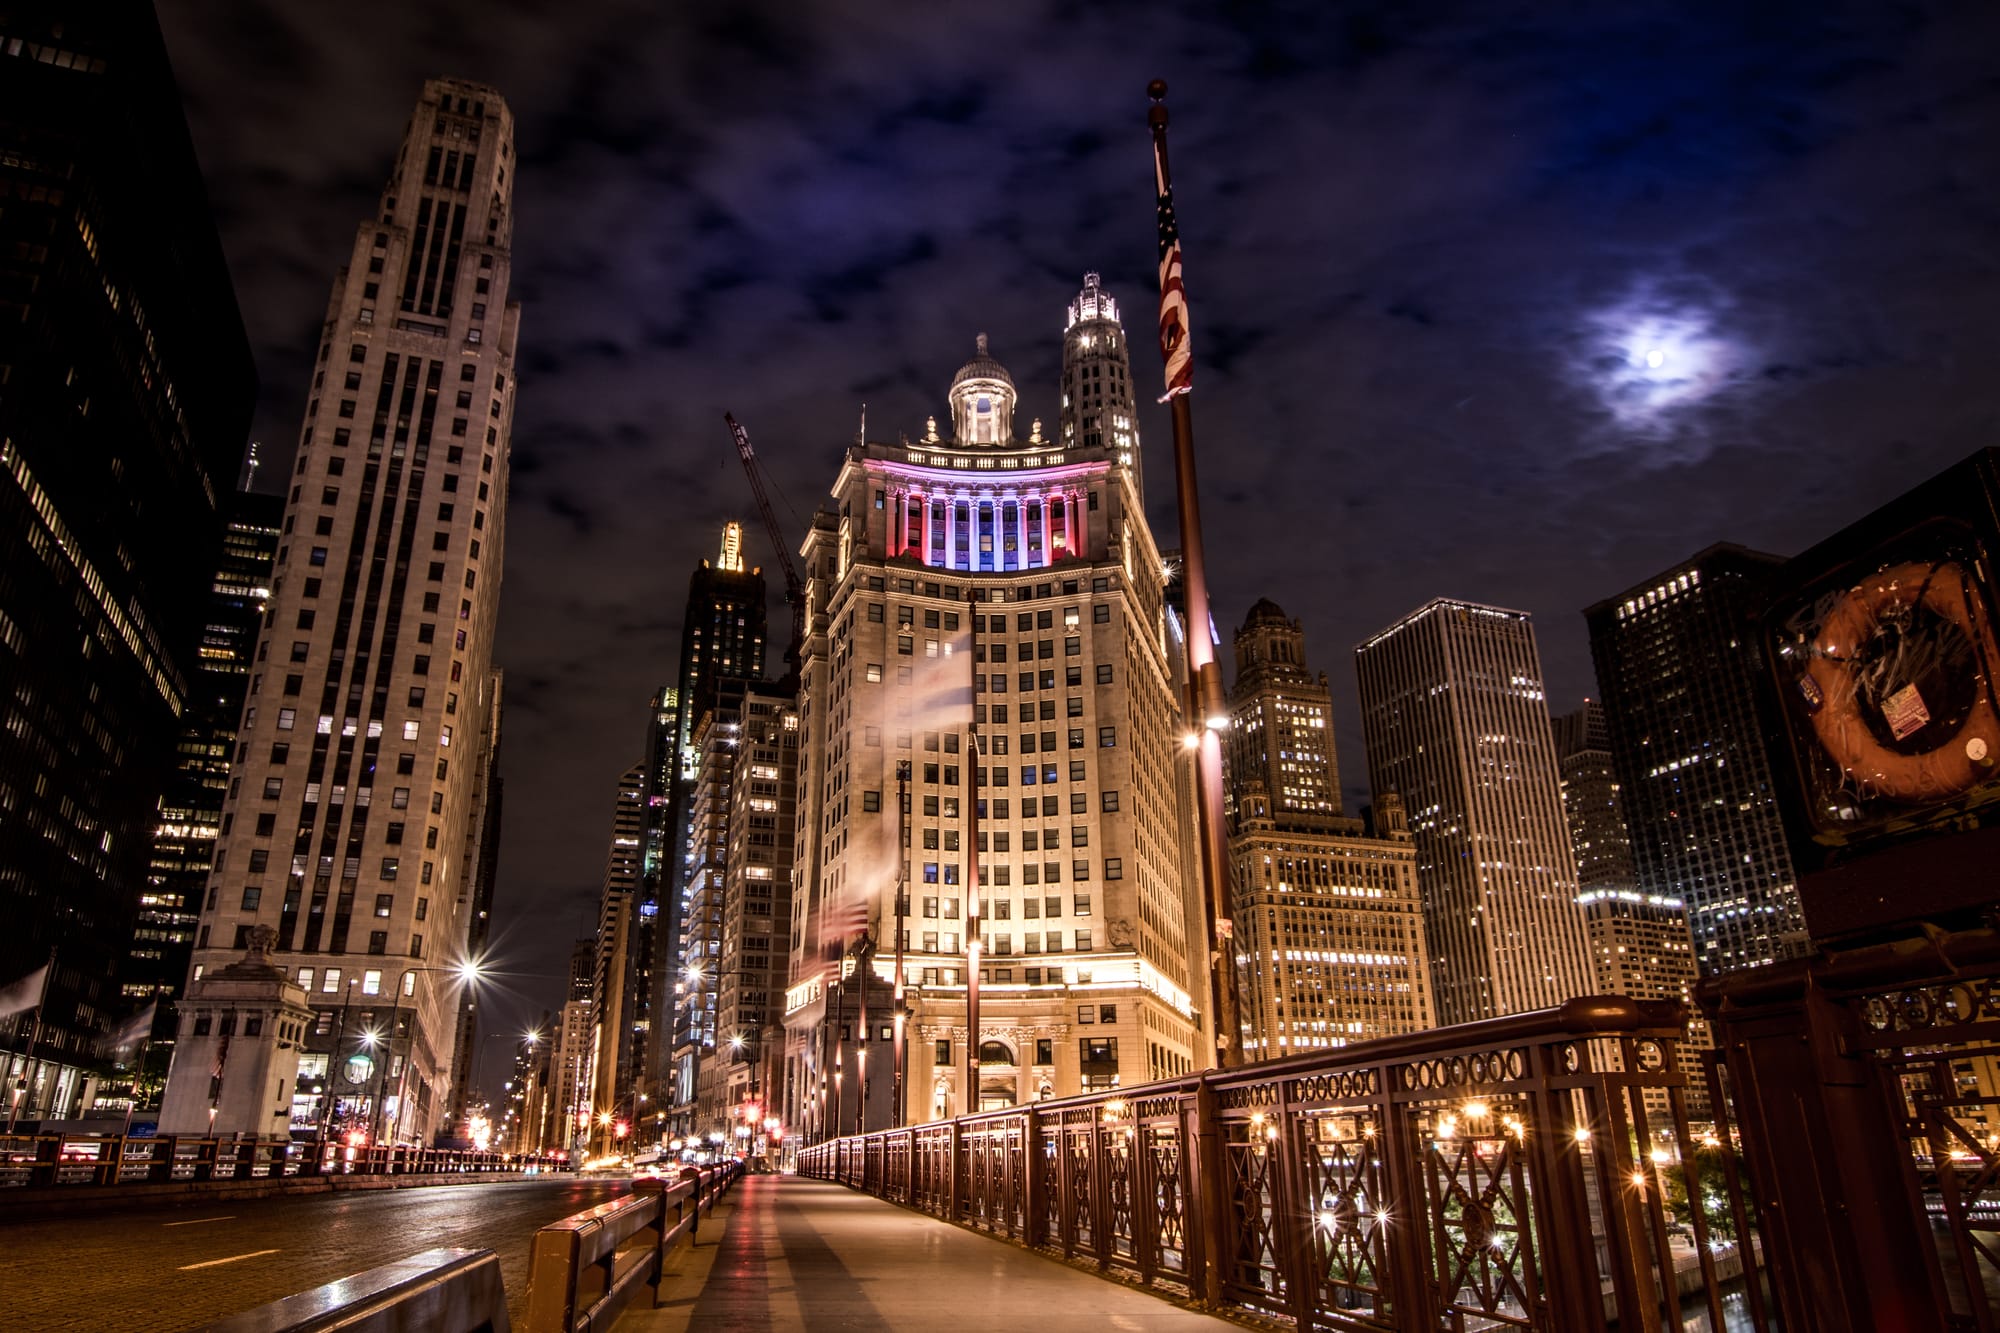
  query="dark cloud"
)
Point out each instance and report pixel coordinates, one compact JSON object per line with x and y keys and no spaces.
{"x":1430,"y":249}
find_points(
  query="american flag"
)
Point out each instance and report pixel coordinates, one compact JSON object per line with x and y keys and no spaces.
{"x":1174,"y":346}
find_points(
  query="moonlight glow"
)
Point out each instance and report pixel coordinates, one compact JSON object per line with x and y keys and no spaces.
{"x":1648,"y":363}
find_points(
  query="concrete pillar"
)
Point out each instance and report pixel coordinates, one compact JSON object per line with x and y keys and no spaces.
{"x":236,"y":1057}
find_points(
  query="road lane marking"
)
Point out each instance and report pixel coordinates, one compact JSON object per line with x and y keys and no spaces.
{"x":189,"y":1268}
{"x":199,"y":1220}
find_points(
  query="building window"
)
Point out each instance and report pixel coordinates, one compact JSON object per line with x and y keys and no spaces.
{"x":1110,"y":802}
{"x":1114,"y":867}
{"x":942,"y":1055}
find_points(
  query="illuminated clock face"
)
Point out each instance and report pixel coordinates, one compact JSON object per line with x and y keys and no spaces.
{"x":359,"y":1069}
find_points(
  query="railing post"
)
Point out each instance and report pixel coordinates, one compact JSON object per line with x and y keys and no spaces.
{"x":1415,"y":1289}
{"x":954,"y":1193}
{"x":1034,"y":1210}
{"x":656,"y":1188}
{"x":1212,"y":1196}
{"x":1295,"y":1211}
{"x":1100,"y":1188}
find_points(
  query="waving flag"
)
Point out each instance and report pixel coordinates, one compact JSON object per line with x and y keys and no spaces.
{"x":23,"y":993}
{"x":1174,"y":346}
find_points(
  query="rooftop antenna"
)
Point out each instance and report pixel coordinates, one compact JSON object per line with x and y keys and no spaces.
{"x":250,"y":468}
{"x":861,"y":436}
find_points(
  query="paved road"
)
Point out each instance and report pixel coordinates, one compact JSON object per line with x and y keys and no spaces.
{"x":791,"y":1255}
{"x":161,"y":1270}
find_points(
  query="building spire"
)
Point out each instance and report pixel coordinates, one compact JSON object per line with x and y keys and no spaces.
{"x":731,"y":557}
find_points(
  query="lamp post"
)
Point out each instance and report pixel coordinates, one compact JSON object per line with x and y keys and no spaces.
{"x":467,"y":972}
{"x":902,"y":1012}
{"x":333,"y":1063}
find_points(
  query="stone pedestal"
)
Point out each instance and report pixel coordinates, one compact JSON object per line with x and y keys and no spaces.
{"x":236,"y":1056}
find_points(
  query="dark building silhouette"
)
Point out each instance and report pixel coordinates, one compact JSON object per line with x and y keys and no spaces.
{"x":1674,"y":662}
{"x":126,"y":388}
{"x":191,"y":808}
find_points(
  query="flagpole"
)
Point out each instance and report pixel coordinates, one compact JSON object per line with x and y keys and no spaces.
{"x":902,"y":888}
{"x":1209,"y":712}
{"x":972,"y":893}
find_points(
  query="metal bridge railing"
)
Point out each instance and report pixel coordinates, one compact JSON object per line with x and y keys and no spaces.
{"x":581,"y":1272}
{"x":1524,"y":1172}
{"x":44,"y":1160}
{"x":440,"y":1291}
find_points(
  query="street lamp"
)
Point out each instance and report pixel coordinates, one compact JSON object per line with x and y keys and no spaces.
{"x":468,"y":972}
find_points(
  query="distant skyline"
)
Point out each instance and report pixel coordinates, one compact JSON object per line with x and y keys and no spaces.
{"x":1489,"y":302}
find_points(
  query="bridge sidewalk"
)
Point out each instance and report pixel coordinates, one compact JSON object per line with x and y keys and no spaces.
{"x":783,"y":1253}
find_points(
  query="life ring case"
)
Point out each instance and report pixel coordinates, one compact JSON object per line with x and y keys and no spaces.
{"x":1881,"y":653}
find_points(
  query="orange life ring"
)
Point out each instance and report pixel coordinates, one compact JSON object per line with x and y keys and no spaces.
{"x":1965,"y":759}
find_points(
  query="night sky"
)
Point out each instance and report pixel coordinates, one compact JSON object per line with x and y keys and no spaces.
{"x":1489,"y":301}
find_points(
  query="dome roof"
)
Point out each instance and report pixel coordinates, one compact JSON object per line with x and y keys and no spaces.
{"x":982,"y":367}
{"x":1266,"y":610}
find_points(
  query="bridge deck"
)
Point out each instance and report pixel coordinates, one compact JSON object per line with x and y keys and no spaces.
{"x":785,"y":1253}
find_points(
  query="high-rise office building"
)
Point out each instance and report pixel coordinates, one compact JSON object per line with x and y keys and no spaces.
{"x":619,"y":1048}
{"x":1674,"y":661}
{"x":360,"y":818}
{"x":191,"y":808}
{"x":1281,"y":723}
{"x":1639,"y":943}
{"x":722,"y":632}
{"x":1597,"y":836}
{"x":1328,"y":919}
{"x":752,"y":966}
{"x":1097,"y":404}
{"x":1455,"y":721}
{"x":649,"y":973}
{"x":126,"y":389}
{"x":572,"y":1062}
{"x":722,"y":638}
{"x":697,"y":1093}
{"x":1024,"y":571}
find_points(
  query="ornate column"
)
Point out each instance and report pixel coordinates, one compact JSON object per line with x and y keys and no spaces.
{"x":925,"y":502}
{"x":1048,"y":533}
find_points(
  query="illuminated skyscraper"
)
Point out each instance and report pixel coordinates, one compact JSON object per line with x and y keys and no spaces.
{"x":751,"y":970}
{"x":1639,"y":943}
{"x":1327,"y":916}
{"x":1455,"y":722}
{"x":1012,"y":589}
{"x":722,"y":631}
{"x":1097,"y":407}
{"x":620,"y":1048}
{"x":1674,"y":662}
{"x":1281,"y":723}
{"x":1597,"y":835}
{"x":359,"y":824}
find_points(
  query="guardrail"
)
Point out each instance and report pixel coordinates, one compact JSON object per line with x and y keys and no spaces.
{"x":439,"y":1291}
{"x":44,"y":1160}
{"x":574,"y":1278}
{"x":1524,"y":1172}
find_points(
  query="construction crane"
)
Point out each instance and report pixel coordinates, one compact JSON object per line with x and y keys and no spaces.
{"x":795,"y":588}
